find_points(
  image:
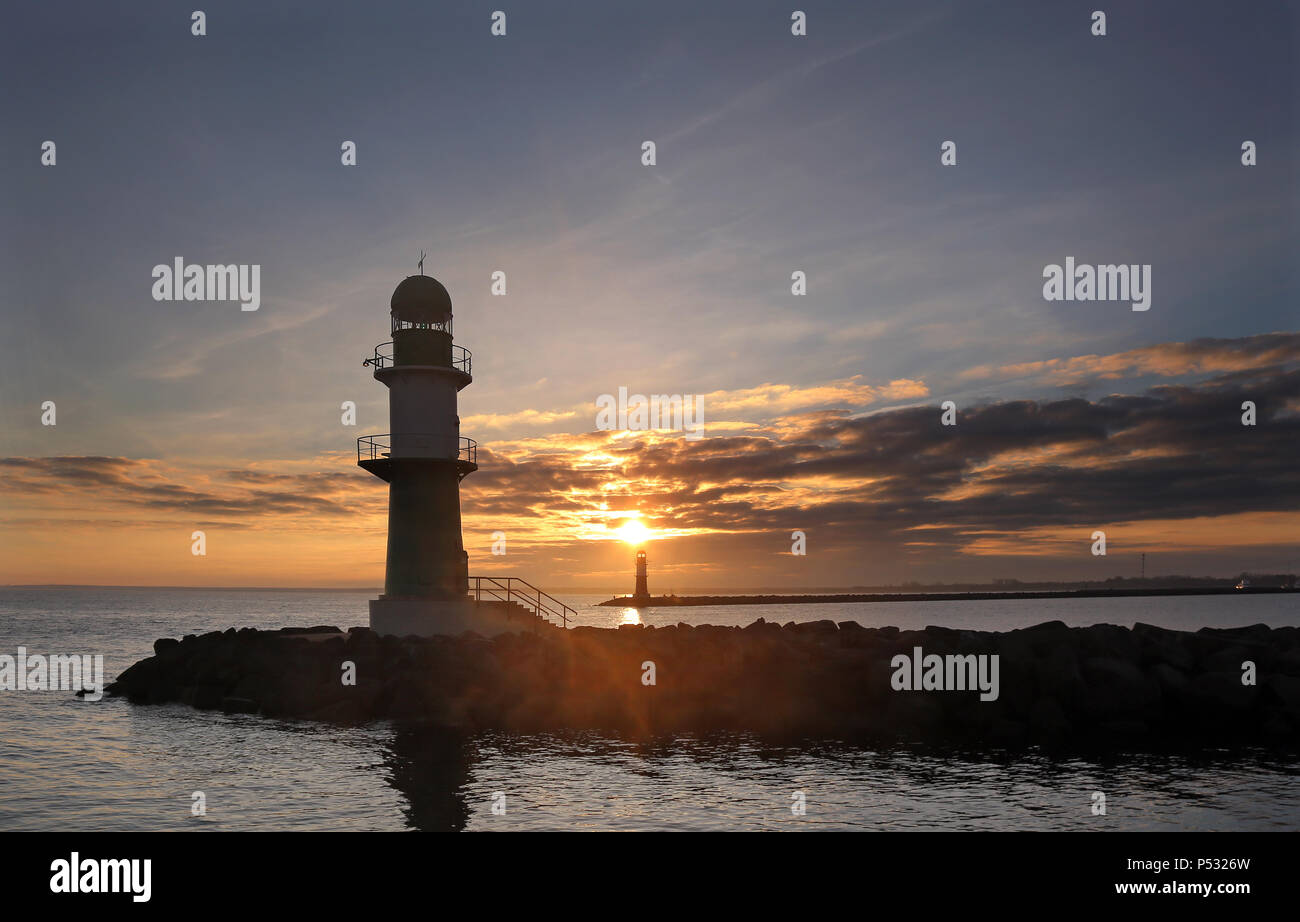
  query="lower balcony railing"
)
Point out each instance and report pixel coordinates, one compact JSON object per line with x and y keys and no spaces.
{"x":375,"y":447}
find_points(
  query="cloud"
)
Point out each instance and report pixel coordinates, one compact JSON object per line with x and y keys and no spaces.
{"x":483,"y":421}
{"x":61,"y":483}
{"x":1012,"y":478}
{"x":184,"y":357}
{"x":1007,"y":468}
{"x":763,"y":401}
{"x":1168,"y":360}
{"x":759,"y":93}
{"x":784,"y":398}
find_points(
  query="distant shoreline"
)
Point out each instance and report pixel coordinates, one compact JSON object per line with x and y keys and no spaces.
{"x":687,"y":601}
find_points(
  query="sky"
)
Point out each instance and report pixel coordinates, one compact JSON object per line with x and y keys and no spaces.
{"x":775,"y":153}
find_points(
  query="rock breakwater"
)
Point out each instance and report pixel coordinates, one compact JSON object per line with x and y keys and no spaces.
{"x":1102,"y":686}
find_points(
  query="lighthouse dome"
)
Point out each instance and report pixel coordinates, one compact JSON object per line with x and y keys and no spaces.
{"x":421,"y":299}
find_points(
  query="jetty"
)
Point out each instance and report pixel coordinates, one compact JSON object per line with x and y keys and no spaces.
{"x":1102,"y":686}
{"x":659,"y":601}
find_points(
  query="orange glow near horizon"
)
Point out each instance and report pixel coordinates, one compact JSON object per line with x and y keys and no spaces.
{"x":572,"y":504}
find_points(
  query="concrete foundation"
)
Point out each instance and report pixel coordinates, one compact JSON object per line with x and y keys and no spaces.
{"x":431,"y":617}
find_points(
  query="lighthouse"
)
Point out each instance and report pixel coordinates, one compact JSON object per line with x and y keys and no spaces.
{"x":641,"y":591}
{"x":423,"y":458}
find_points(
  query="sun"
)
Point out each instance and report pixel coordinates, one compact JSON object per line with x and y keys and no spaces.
{"x":633,"y":532}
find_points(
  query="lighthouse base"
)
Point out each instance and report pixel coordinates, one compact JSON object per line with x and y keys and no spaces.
{"x":431,"y":617}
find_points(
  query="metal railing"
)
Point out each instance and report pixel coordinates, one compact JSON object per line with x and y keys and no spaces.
{"x":374,"y":447}
{"x":383,"y":357}
{"x":514,"y":589}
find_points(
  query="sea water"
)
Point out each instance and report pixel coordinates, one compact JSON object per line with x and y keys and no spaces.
{"x":67,"y":763}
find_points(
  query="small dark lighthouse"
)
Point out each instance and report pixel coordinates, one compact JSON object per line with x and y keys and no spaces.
{"x":641,"y":591}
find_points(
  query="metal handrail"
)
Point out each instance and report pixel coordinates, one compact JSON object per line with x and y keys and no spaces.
{"x":374,"y":447}
{"x":545,"y":605}
{"x":383,"y":358}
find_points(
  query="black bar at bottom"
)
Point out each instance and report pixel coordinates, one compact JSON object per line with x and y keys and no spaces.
{"x":326,"y":872}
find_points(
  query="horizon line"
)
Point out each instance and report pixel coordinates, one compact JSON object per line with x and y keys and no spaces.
{"x":911,"y":584}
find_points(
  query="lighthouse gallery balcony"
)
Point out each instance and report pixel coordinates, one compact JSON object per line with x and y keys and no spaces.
{"x":385,"y":357}
{"x":375,"y":454}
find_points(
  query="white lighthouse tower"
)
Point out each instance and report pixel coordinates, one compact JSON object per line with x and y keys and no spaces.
{"x":427,"y":587}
